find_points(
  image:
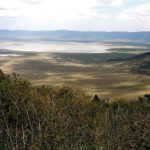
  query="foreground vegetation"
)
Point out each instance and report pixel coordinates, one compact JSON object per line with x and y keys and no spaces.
{"x":46,"y":118}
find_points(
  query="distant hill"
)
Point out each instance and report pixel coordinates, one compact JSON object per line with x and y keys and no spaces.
{"x":63,"y":35}
{"x":140,"y":63}
{"x":142,"y":56}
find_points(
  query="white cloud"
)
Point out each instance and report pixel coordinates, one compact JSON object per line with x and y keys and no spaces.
{"x":33,"y":2}
{"x":2,"y":8}
{"x":54,"y":9}
{"x":102,"y":2}
{"x":136,"y":18}
{"x":137,"y":14}
{"x":110,"y":2}
{"x":73,"y":14}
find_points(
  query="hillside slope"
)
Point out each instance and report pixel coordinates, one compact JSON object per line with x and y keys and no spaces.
{"x":47,"y":118}
{"x":140,"y":63}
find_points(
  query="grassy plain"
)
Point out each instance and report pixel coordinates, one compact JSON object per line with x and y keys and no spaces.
{"x":35,"y":117}
{"x":104,"y":74}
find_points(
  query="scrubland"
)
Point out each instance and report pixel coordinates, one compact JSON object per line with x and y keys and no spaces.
{"x":64,"y":118}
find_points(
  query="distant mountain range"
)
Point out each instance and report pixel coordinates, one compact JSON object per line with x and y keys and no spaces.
{"x":65,"y":35}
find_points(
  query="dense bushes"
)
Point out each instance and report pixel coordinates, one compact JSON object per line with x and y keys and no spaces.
{"x":46,"y":118}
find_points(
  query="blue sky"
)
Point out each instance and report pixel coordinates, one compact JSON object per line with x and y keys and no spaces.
{"x":91,"y":15}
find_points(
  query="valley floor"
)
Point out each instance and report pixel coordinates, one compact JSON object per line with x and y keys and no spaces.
{"x":105,"y":78}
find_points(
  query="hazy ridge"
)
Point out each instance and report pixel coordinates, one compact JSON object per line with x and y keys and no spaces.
{"x":62,"y":35}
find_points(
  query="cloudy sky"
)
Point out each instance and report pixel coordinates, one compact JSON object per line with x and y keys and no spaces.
{"x":93,"y":15}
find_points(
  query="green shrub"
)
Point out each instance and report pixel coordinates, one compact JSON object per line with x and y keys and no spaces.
{"x":47,"y":118}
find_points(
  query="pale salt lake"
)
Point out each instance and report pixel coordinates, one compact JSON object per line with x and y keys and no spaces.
{"x":56,"y":47}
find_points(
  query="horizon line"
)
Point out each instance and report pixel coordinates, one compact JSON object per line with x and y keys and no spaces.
{"x":70,"y":30}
